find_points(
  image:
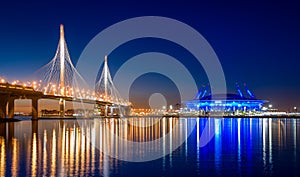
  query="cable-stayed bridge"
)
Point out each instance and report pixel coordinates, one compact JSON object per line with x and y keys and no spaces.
{"x":59,"y":80}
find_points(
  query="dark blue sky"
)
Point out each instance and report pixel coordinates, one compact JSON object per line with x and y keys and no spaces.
{"x":256,"y":42}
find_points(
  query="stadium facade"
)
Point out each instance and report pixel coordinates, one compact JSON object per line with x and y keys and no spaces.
{"x":244,"y":101}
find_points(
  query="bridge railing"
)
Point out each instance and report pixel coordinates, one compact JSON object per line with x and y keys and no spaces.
{"x":17,"y":87}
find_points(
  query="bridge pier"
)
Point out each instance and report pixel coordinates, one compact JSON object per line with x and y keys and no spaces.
{"x":3,"y":104}
{"x":62,"y":105}
{"x":34,"y":104}
{"x":11,"y":107}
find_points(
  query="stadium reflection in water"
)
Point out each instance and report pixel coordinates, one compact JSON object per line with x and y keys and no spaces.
{"x":62,"y":147}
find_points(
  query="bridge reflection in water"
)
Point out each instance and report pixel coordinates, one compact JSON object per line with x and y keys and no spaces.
{"x":62,"y":147}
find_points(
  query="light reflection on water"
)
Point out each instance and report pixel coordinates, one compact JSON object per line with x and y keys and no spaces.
{"x":2,"y":157}
{"x":62,"y":147}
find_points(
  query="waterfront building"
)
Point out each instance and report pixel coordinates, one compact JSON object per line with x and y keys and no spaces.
{"x":244,"y":101}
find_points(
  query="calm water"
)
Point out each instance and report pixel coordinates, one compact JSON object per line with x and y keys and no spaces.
{"x":240,"y":147}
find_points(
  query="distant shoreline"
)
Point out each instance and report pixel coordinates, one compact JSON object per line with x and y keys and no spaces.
{"x":3,"y":120}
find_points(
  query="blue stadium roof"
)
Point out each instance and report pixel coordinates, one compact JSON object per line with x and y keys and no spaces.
{"x":229,"y":96}
{"x":246,"y":94}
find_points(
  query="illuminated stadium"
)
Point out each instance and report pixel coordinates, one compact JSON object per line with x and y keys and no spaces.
{"x":243,"y":101}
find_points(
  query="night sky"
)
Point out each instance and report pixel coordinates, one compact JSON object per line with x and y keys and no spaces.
{"x":257,"y":42}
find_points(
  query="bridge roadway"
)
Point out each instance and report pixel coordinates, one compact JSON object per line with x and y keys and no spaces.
{"x":9,"y":92}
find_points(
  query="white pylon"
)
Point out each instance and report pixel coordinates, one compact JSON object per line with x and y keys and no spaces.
{"x":105,"y":68}
{"x":62,"y":60}
{"x":59,"y":76}
{"x":106,"y":87}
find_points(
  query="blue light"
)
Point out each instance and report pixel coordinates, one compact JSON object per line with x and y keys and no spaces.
{"x":226,"y":102}
{"x":203,"y":93}
{"x":251,"y":95}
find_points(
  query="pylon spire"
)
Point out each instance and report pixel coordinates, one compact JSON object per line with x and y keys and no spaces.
{"x":105,"y":76}
{"x":62,"y":33}
{"x":62,"y":70}
{"x":62,"y":60}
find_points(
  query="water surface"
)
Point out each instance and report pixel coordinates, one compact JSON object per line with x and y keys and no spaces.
{"x":240,"y":147}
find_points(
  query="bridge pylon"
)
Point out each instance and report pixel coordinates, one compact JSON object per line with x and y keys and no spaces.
{"x":58,"y":76}
{"x":107,"y":91}
{"x":62,"y":46}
